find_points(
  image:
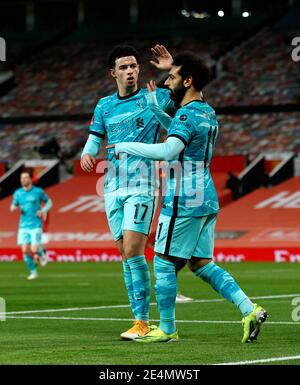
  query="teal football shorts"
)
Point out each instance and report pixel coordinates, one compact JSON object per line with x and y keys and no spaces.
{"x":133,"y":212}
{"x":185,"y":237}
{"x":30,"y":236}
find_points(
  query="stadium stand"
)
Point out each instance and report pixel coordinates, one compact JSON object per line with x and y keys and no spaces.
{"x":24,"y":141}
{"x":252,"y":134}
{"x":258,"y":72}
{"x":69,"y":78}
{"x":247,"y":134}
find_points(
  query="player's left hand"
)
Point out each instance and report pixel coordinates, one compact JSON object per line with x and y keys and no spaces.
{"x":163,"y":57}
{"x":39,"y":213}
{"x":151,"y":86}
{"x":13,"y":208}
{"x":113,"y":146}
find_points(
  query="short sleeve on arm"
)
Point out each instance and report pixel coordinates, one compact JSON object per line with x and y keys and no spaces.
{"x":97,"y":126}
{"x":43,"y":196}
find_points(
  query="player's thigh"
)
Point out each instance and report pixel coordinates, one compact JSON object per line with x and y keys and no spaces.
{"x":115,"y":214}
{"x":24,"y":238}
{"x":177,"y":236}
{"x":206,"y":239}
{"x":139,"y":212}
{"x":35,"y":239}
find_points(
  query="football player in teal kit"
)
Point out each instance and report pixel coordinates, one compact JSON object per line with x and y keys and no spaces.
{"x":28,"y":199}
{"x":125,"y":116}
{"x":190,"y":206}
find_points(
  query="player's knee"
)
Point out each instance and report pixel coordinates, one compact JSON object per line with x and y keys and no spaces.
{"x":197,"y":263}
{"x":26,"y":249}
{"x":131,"y":251}
{"x":34,"y":249}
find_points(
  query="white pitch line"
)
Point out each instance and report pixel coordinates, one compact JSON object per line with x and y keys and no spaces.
{"x":127,"y":306}
{"x":276,"y":296}
{"x":256,"y":297}
{"x":71,"y":318}
{"x":151,"y":320}
{"x":265,"y":360}
{"x":67,"y":309}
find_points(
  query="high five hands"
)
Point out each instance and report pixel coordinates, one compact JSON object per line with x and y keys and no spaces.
{"x":164,"y":59}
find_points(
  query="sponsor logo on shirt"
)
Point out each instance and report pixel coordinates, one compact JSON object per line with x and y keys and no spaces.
{"x":140,"y":123}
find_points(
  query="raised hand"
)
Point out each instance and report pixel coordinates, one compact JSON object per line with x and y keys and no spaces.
{"x":151,"y":86}
{"x":164,"y":59}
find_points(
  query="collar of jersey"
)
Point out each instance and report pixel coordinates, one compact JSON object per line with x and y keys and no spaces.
{"x":128,"y":96}
{"x":28,"y":190}
{"x":195,"y":100}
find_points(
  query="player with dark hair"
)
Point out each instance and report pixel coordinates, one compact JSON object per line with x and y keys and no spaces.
{"x":190,"y":207}
{"x":125,"y":116}
{"x":28,"y":199}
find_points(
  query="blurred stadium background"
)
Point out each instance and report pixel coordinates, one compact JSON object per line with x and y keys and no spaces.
{"x":55,"y":71}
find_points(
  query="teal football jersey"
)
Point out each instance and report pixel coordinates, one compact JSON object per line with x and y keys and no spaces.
{"x":190,"y":190}
{"x":29,"y":203}
{"x":129,"y":119}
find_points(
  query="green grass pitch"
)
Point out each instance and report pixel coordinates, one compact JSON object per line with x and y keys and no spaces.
{"x":91,"y":336}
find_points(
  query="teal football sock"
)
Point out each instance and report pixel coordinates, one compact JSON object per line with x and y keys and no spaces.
{"x":141,"y":286}
{"x":165,"y":292}
{"x":129,"y":287}
{"x":223,"y":283}
{"x":29,"y":263}
{"x":40,"y":251}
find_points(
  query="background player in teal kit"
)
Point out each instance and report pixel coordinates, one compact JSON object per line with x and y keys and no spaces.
{"x":28,"y":199}
{"x":190,"y":207}
{"x":125,"y":116}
